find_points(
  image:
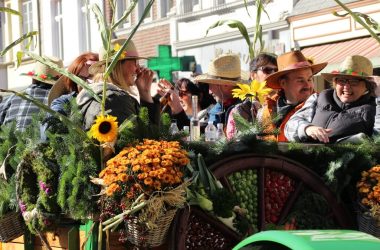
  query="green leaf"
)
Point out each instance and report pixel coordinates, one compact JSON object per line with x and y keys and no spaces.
{"x":125,"y":14}
{"x":19,"y":56}
{"x":104,"y":32}
{"x":234,"y":24}
{"x":14,"y":43}
{"x":359,"y":20}
{"x":73,"y":77}
{"x":11,"y":11}
{"x":116,"y":58}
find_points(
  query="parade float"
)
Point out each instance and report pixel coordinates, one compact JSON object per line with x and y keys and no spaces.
{"x":158,"y":190}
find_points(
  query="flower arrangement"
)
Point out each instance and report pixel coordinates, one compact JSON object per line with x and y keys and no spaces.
{"x":143,"y":181}
{"x":369,"y":191}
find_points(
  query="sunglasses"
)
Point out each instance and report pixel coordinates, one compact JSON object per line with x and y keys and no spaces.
{"x":344,"y":81}
{"x":267,"y":70}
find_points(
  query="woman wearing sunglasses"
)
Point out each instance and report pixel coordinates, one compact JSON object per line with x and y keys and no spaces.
{"x":260,"y":68}
{"x":345,"y":112}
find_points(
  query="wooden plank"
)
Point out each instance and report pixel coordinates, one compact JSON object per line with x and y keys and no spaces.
{"x":19,"y":246}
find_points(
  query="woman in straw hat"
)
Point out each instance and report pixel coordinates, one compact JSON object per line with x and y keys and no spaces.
{"x":19,"y":110}
{"x":346,"y":110}
{"x":66,"y":89}
{"x":128,"y":87}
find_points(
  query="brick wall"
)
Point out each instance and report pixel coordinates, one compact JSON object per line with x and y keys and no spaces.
{"x":147,"y":40}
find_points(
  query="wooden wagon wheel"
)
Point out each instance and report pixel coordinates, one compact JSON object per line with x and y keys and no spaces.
{"x":262,"y":164}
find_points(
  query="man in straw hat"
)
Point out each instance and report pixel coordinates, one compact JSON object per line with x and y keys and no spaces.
{"x":345,"y":110}
{"x":17,"y":109}
{"x":294,"y":82}
{"x":128,"y":86}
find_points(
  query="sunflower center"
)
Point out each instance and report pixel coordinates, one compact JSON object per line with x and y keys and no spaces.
{"x":105,"y":127}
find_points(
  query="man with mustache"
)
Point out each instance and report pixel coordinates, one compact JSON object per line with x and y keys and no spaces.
{"x":294,"y":82}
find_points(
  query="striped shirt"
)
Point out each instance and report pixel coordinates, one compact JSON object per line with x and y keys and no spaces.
{"x":17,"y":109}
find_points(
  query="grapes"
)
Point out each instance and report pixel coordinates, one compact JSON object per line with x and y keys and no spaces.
{"x":244,"y":185}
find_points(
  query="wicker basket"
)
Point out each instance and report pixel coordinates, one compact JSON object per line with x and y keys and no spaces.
{"x":11,"y":227}
{"x":141,"y":236}
{"x":367,"y":223}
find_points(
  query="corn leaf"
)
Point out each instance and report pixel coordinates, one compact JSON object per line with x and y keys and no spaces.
{"x":114,"y":61}
{"x":369,"y":20}
{"x":125,"y":14}
{"x":104,"y":32}
{"x":359,"y":20}
{"x":11,"y":11}
{"x":73,"y":77}
{"x":19,"y":56}
{"x":14,"y":43}
{"x":235,"y":24}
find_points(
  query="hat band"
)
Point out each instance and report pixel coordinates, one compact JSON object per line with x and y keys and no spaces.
{"x":297,"y":65}
{"x":349,"y":72}
{"x":223,"y":78}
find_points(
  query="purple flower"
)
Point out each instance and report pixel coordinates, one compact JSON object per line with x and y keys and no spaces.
{"x":22,"y":206}
{"x":44,"y":187}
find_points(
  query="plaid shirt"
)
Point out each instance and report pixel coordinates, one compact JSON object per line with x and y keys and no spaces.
{"x":295,"y":127}
{"x":17,"y":109}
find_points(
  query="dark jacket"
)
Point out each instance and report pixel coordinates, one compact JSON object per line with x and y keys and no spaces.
{"x":344,"y":118}
{"x":119,"y":103}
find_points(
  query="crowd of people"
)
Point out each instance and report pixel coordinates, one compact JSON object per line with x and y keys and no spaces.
{"x":293,"y":111}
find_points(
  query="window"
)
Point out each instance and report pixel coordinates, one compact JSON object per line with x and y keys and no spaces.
{"x":27,"y":21}
{"x":166,"y":6}
{"x":188,"y":5}
{"x":141,"y":7}
{"x":57,"y":28}
{"x":121,"y":7}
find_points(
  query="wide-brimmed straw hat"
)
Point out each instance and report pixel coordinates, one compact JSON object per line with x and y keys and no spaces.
{"x":44,"y":73}
{"x":353,"y":66}
{"x":289,"y":62}
{"x":223,"y":70}
{"x":130,"y":52}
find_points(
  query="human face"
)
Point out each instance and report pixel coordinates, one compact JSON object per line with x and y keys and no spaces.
{"x":298,"y":85}
{"x":130,"y":70}
{"x":221,"y":92}
{"x":263,"y":72}
{"x":349,"y":89}
{"x":185,"y":100}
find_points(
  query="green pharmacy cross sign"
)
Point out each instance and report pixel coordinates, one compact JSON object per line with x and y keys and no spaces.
{"x":165,"y":64}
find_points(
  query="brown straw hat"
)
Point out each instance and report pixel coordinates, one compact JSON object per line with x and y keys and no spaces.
{"x":288,"y":62}
{"x":224,"y":69}
{"x":44,"y":73}
{"x":353,"y":66}
{"x":130,"y":52}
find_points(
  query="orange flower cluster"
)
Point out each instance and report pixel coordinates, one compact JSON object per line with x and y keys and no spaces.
{"x":147,"y":167}
{"x":369,"y":186}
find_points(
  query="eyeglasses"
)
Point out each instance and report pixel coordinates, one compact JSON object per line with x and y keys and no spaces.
{"x":344,"y":81}
{"x":267,"y":70}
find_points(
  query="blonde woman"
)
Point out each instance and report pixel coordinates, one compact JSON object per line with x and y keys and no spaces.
{"x":128,"y":87}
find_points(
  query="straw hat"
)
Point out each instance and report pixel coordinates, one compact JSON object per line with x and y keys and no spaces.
{"x":44,"y":73}
{"x":224,"y":69}
{"x":130,"y":52}
{"x":353,"y":66}
{"x":289,"y":62}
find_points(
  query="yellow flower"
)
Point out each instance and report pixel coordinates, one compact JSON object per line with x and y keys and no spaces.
{"x":256,"y":90}
{"x":116,"y":48}
{"x":104,"y":129}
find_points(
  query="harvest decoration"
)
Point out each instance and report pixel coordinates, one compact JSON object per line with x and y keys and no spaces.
{"x":36,"y":189}
{"x":255,"y":91}
{"x":369,"y":190}
{"x":146,"y":178}
{"x":104,"y":129}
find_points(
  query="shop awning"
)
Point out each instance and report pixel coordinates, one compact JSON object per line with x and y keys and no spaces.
{"x":334,"y":53}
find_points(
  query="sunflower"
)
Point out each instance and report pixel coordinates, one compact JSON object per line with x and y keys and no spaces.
{"x":104,"y":129}
{"x":255,"y":90}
